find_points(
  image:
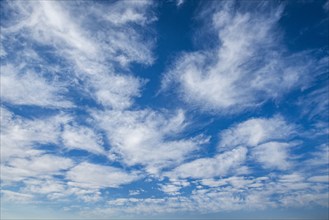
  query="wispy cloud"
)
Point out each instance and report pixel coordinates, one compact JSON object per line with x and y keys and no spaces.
{"x":147,"y":137}
{"x":21,"y":87}
{"x":82,"y":134}
{"x":247,"y":67}
{"x":94,"y":54}
{"x":220,"y":165}
{"x":87,"y":175}
{"x":256,"y":131}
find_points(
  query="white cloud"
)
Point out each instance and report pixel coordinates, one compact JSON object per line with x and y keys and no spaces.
{"x":179,"y":2}
{"x":319,"y":157}
{"x":248,"y":66}
{"x":20,"y":135}
{"x":128,"y":12}
{"x":321,"y":179}
{"x":273,"y":155}
{"x":89,"y":55}
{"x":170,"y":189}
{"x":8,"y":195}
{"x":314,"y":107}
{"x":30,"y":89}
{"x":174,"y":186}
{"x":235,"y":181}
{"x":267,"y":138}
{"x":45,"y":165}
{"x":147,"y":137}
{"x":87,"y":175}
{"x":225,"y":194}
{"x":83,"y":138}
{"x":256,"y":131}
{"x":220,"y":165}
{"x":135,"y":192}
{"x":49,"y":186}
{"x":119,"y":95}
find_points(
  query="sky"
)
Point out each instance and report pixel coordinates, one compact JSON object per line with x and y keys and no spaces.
{"x":164,"y":109}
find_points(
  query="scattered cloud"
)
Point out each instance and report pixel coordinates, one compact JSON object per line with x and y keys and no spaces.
{"x":215,"y":80}
{"x":31,"y":89}
{"x":255,"y":131}
{"x":39,"y":166}
{"x":179,"y":3}
{"x":20,"y":135}
{"x":220,"y":165}
{"x":83,"y":138}
{"x":89,"y":175}
{"x":148,"y":137}
{"x":82,"y":133}
{"x":273,"y":155}
{"x":93,"y":54}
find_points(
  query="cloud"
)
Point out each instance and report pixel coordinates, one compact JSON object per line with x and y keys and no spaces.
{"x":246,"y":67}
{"x":267,"y":138}
{"x":170,"y":189}
{"x":69,"y":83}
{"x":89,"y":175}
{"x":20,"y":137}
{"x":314,"y":106}
{"x":83,"y":138}
{"x":226,"y":194}
{"x":121,"y":92}
{"x":174,"y":186}
{"x":129,"y":12}
{"x":31,"y":89}
{"x":179,"y":3}
{"x":321,"y":179}
{"x":13,"y":196}
{"x":255,"y":131}
{"x":90,"y":58}
{"x":147,"y":137}
{"x":42,"y":166}
{"x":319,"y":157}
{"x":273,"y":155}
{"x":220,"y":165}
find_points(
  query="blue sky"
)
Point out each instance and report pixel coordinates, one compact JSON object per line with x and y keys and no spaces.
{"x":164,"y":109}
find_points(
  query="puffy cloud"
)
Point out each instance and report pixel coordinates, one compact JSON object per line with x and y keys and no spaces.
{"x":227,"y":194}
{"x":78,"y":56}
{"x":83,"y":138}
{"x":92,"y":59}
{"x":256,"y":131}
{"x":248,"y":65}
{"x":20,"y":135}
{"x":220,"y":165}
{"x":13,"y":196}
{"x":320,"y":179}
{"x":174,"y":186}
{"x":87,"y":175}
{"x":273,"y":155}
{"x":268,"y":139}
{"x":30,"y":89}
{"x":170,"y":189}
{"x":37,"y":167}
{"x":147,"y":137}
